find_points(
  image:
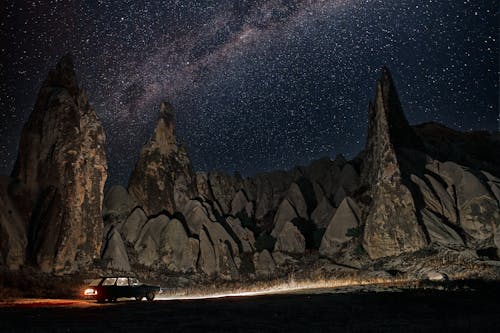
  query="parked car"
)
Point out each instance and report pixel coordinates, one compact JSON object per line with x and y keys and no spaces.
{"x":112,"y":288}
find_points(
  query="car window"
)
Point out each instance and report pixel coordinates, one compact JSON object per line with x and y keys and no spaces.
{"x":134,"y":282}
{"x":109,"y":281}
{"x":122,"y":282}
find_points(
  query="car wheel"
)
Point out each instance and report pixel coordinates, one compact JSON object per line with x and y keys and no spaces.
{"x":138,"y":298}
{"x":150,"y":296}
{"x":100,"y":300}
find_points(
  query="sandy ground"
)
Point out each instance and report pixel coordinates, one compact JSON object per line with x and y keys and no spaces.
{"x":340,"y":310}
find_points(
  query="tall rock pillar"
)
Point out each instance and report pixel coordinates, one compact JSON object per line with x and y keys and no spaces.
{"x":392,"y":225}
{"x":62,"y":161}
{"x":163,"y":179}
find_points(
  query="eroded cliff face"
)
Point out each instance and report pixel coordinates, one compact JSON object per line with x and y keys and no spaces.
{"x":163,"y":179}
{"x":62,"y":163}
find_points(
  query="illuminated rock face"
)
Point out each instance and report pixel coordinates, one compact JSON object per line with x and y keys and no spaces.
{"x":163,"y":179}
{"x":62,"y":161}
{"x":392,"y":226}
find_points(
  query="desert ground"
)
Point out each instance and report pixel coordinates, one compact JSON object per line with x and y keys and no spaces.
{"x":358,"y":309}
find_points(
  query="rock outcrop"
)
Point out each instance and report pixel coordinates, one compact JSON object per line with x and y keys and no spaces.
{"x":342,"y":227}
{"x":163,"y":179}
{"x":114,"y":252}
{"x":290,"y":240}
{"x":178,"y":252}
{"x":62,"y":161}
{"x":392,"y":226}
{"x":148,"y":243}
{"x":264,"y":264}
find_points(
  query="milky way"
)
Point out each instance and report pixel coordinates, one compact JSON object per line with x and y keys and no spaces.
{"x":256,"y":85}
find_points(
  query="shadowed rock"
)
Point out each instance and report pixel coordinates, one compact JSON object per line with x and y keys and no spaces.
{"x":15,"y":211}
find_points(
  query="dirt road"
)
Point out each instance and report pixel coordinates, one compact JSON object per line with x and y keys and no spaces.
{"x":409,"y":311}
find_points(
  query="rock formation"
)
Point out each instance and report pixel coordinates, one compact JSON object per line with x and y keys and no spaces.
{"x":15,"y":212}
{"x":424,"y":187}
{"x":163,"y":179}
{"x":62,"y":162}
{"x":392,"y":226}
{"x":114,"y":252}
{"x":341,"y":227}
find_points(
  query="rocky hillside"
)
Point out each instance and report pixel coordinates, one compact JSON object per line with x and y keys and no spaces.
{"x":416,"y":197}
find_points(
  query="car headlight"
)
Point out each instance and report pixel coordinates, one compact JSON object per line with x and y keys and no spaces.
{"x":90,"y":292}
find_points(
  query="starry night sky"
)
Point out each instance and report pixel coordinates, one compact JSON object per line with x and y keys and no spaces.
{"x":256,"y":85}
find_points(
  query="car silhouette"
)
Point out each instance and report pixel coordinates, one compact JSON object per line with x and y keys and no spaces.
{"x":112,"y":288}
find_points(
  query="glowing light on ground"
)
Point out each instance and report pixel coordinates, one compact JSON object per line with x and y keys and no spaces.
{"x":290,"y":287}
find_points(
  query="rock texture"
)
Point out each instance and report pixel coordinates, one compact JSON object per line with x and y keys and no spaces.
{"x":343,"y":224}
{"x":392,"y":226}
{"x":264,"y":264}
{"x":15,"y":212}
{"x":290,"y":240}
{"x":178,"y":251}
{"x":163,"y":179}
{"x":148,"y":243}
{"x":114,"y":251}
{"x":62,"y":161}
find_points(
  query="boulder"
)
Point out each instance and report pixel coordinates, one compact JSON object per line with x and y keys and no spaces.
{"x":478,"y":209}
{"x":438,"y":231}
{"x":131,"y":228}
{"x":323,"y":213}
{"x":269,"y":190}
{"x":178,"y":252}
{"x":162,"y":179}
{"x":245,"y":236}
{"x":296,"y":198}
{"x":149,"y":240}
{"x":207,"y":261}
{"x":337,"y":233}
{"x":285,"y":213}
{"x":114,"y":252}
{"x":436,"y":276}
{"x":264,"y":264}
{"x":240,"y":203}
{"x":226,"y":262}
{"x":225,"y":251}
{"x":196,"y":215}
{"x":223,"y":188}
{"x":447,"y":203}
{"x":290,"y":240}
{"x":62,"y":161}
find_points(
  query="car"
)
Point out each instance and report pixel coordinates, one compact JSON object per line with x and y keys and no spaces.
{"x":111,"y":288}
